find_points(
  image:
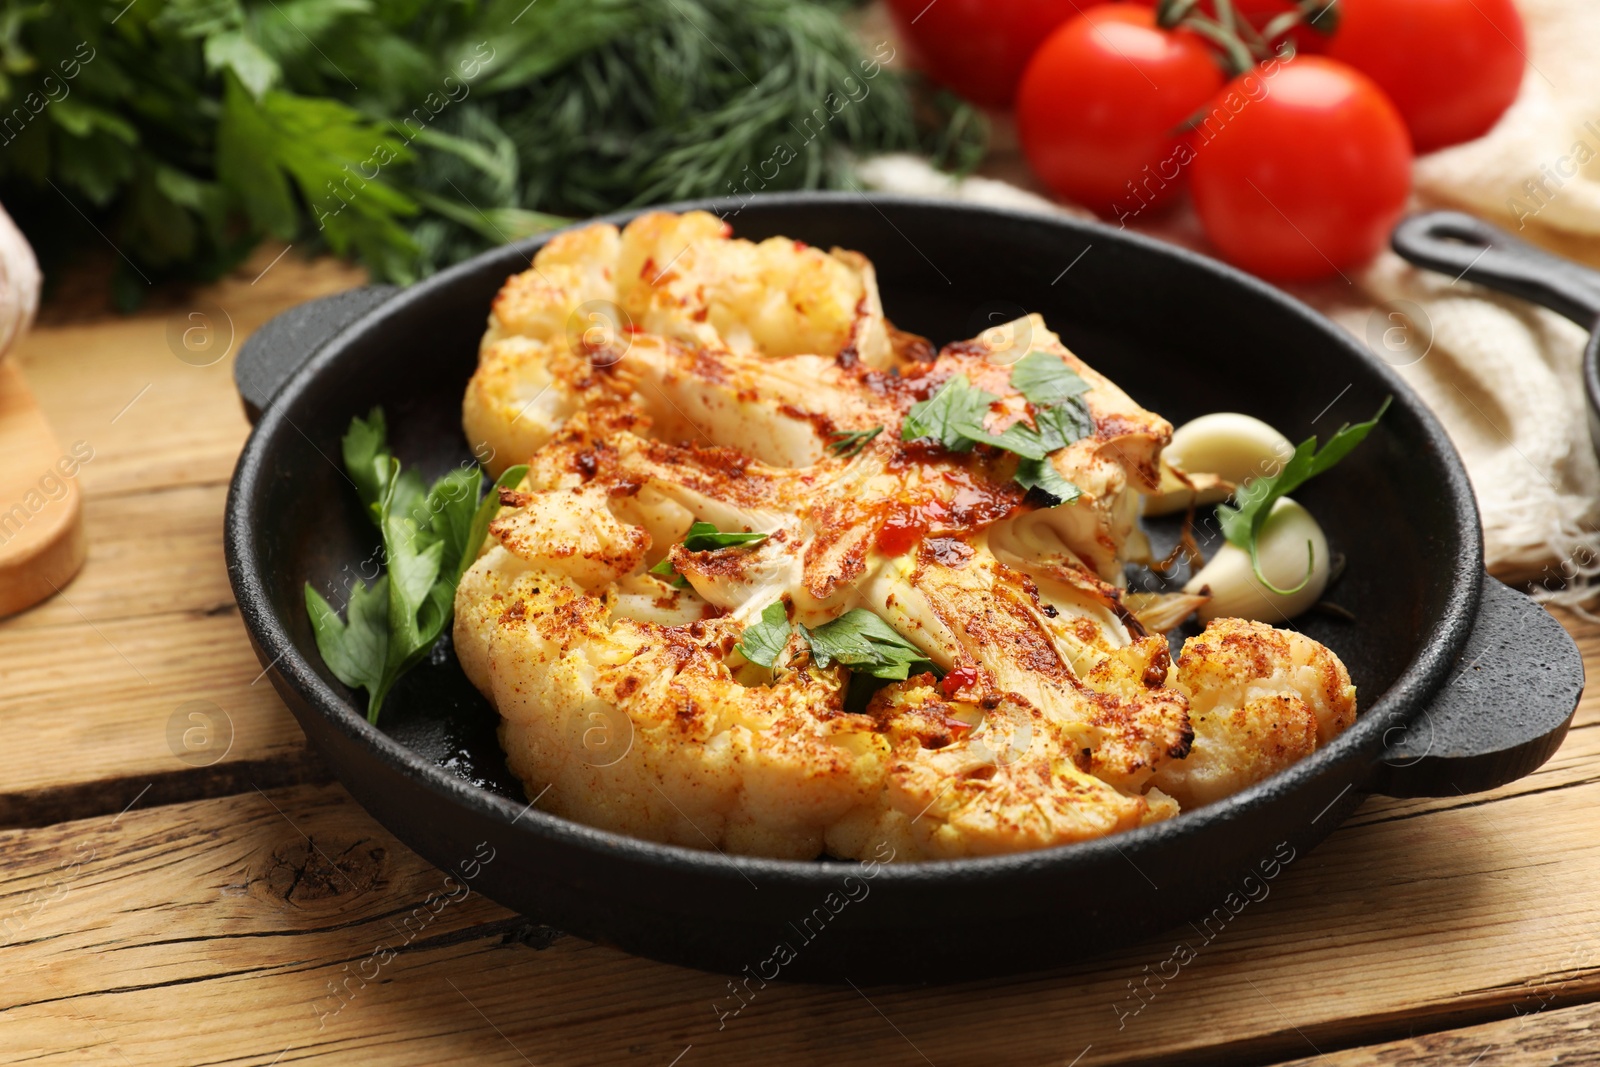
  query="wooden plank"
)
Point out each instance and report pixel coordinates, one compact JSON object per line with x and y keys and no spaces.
{"x":92,"y":681}
{"x":156,"y":552}
{"x":1416,"y":917}
{"x":93,"y":705}
{"x":1538,"y":1036}
{"x":139,"y":391}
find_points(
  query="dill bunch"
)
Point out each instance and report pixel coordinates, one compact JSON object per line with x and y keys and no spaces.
{"x":409,"y":134}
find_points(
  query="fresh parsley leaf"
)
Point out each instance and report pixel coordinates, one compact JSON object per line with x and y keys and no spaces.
{"x":849,"y":443}
{"x":666,"y":570}
{"x":1241,"y":522}
{"x":1062,"y":424}
{"x":414,"y":554}
{"x":355,"y":652}
{"x":763,"y":641}
{"x":234,"y":50}
{"x":1019,"y":438}
{"x":941,"y":417}
{"x":1045,"y":379}
{"x":705,"y":537}
{"x":452,"y":509}
{"x":367,"y":458}
{"x":1042,"y":475}
{"x":866,"y":644}
{"x":282,"y":144}
{"x":954,"y":417}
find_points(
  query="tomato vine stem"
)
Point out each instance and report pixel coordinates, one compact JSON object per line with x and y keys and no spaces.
{"x":1240,"y":44}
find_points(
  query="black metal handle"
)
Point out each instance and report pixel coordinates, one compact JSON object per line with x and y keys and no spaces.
{"x":1465,"y":247}
{"x":1504,"y":711}
{"x":286,"y":341}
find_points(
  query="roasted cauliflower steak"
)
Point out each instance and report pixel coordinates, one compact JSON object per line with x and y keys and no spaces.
{"x":668,"y":374}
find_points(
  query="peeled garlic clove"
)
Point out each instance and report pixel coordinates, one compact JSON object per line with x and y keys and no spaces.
{"x":1235,"y":591}
{"x":1213,"y":454}
{"x":1232,"y":446}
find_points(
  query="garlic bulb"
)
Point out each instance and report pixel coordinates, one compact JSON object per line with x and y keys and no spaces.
{"x":19,"y":283}
{"x":1211,"y":455}
{"x":1235,"y":590}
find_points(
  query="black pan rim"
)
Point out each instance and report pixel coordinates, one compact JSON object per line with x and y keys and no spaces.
{"x":294,"y":676}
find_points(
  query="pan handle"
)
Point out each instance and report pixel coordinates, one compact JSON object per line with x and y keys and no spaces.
{"x":1504,"y":710}
{"x":1459,"y":245}
{"x":289,"y":339}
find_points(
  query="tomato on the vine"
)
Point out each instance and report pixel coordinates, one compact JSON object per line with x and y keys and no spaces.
{"x":1102,"y":105}
{"x":979,"y":47}
{"x":1452,"y":67}
{"x":1307,"y":175}
{"x":1260,"y":13}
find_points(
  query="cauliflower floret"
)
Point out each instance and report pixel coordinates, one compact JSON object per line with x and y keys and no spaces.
{"x":1260,"y":699}
{"x":643,"y":729}
{"x":965,"y":781}
{"x":572,"y":269}
{"x":1111,"y":466}
{"x":573,"y":532}
{"x":669,"y":294}
{"x":520,"y":397}
{"x":684,"y":277}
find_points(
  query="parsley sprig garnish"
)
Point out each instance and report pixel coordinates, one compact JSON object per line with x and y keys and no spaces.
{"x":953,"y":417}
{"x":431,"y":535}
{"x":866,"y":644}
{"x":858,"y":639}
{"x":1242,"y":522}
{"x":849,"y":443}
{"x":764,"y":640}
{"x":704,"y":537}
{"x":1045,"y":379}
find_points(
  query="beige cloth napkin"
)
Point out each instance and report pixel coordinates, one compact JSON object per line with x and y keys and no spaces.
{"x":1503,"y":376}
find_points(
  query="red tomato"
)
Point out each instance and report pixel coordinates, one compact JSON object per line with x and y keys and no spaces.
{"x":1100,"y":103}
{"x":1301,"y":170}
{"x":1260,"y":12}
{"x":979,"y":47}
{"x":1452,"y":67}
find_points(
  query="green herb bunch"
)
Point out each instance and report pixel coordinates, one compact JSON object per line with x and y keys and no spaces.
{"x":410,"y":134}
{"x":431,"y":535}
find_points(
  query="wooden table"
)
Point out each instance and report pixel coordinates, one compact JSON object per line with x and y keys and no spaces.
{"x":160,"y":910}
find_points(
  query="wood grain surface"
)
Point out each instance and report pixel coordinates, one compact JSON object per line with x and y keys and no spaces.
{"x":1536,"y":1034}
{"x":169,"y":903}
